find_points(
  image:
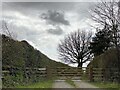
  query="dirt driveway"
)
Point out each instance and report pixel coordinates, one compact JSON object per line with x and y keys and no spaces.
{"x":61,"y":84}
{"x":82,"y":84}
{"x":78,"y":83}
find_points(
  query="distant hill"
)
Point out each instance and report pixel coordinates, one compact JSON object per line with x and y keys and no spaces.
{"x":17,"y":57}
{"x":21,"y":54}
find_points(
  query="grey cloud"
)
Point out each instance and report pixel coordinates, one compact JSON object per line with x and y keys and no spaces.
{"x":56,"y":31}
{"x":35,"y":8}
{"x":41,"y":38}
{"x":39,"y":5}
{"x":55,"y":18}
{"x":83,"y":9}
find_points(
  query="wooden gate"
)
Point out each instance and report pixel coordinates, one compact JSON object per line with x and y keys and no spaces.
{"x":68,"y":72}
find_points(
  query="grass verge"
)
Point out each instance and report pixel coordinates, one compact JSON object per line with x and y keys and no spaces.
{"x":42,"y":84}
{"x":106,"y":85}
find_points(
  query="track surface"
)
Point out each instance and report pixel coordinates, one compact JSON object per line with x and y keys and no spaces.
{"x":78,"y":83}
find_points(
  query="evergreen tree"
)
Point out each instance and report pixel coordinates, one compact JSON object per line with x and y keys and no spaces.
{"x":101,"y":41}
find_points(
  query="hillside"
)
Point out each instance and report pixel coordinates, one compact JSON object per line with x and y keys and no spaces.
{"x":21,"y":54}
{"x":17,"y":57}
{"x":105,"y":60}
{"x":109,"y":63}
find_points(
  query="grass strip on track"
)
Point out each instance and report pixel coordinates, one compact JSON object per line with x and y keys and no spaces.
{"x":69,"y":81}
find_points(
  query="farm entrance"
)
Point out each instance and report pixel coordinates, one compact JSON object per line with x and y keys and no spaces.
{"x":67,"y":72}
{"x":92,"y":74}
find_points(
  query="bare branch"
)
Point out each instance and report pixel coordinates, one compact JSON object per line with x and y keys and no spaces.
{"x":74,"y":48}
{"x":7,"y":31}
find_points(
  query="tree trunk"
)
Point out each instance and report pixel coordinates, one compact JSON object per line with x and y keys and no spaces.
{"x":80,"y":64}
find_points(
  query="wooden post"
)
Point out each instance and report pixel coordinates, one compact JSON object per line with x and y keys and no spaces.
{"x":91,"y":74}
{"x":102,"y":74}
{"x":48,"y":72}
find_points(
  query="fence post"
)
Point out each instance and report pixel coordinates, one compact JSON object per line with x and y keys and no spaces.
{"x":103,"y":71}
{"x":48,"y":72}
{"x":91,"y":74}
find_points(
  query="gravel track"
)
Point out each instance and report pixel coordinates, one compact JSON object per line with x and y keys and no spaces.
{"x":61,"y":84}
{"x":82,"y":84}
{"x":78,"y":83}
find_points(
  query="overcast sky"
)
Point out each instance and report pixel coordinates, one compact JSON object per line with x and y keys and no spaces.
{"x":44,"y":24}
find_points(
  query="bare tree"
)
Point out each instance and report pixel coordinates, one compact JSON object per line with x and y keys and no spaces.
{"x":108,"y":13}
{"x":7,"y":31}
{"x":75,"y":47}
